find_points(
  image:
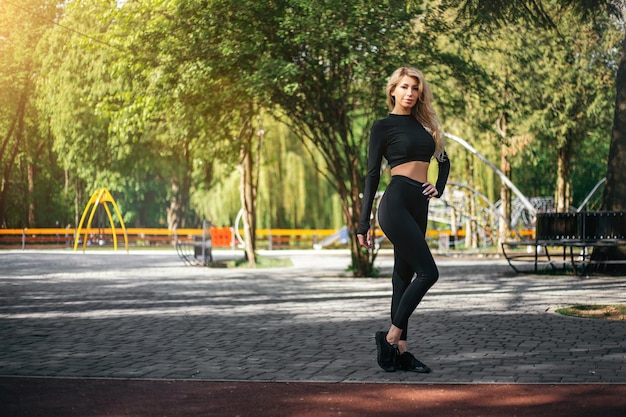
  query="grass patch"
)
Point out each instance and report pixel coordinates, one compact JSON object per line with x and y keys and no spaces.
{"x":594,"y":311}
{"x":261,"y":262}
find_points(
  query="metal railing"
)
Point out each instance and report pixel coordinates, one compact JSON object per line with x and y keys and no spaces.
{"x":221,"y":237}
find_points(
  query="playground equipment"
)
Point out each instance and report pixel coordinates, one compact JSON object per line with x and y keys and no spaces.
{"x":500,"y":174}
{"x":100,"y":196}
{"x":593,"y":194}
{"x":341,"y":237}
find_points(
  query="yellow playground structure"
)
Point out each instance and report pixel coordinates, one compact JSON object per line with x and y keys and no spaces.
{"x":100,"y":196}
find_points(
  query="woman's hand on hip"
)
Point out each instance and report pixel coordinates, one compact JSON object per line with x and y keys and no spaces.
{"x":429,"y":190}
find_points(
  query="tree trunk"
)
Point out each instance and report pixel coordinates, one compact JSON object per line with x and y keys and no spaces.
{"x":614,"y":198}
{"x":615,"y":190}
{"x":181,"y":184}
{"x":78,"y":197}
{"x":176,"y":212}
{"x":471,"y":231}
{"x":472,"y":239}
{"x":562,"y":178}
{"x":31,"y":176}
{"x":66,"y":185}
{"x":12,"y":152}
{"x":184,"y":213}
{"x":30,"y":169}
{"x":248,"y":201}
{"x":173,"y":211}
{"x":505,"y":199}
{"x":362,"y":260}
{"x":505,"y":191}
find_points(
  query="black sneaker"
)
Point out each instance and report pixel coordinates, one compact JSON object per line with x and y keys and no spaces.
{"x":408,"y":362}
{"x":386,"y":352}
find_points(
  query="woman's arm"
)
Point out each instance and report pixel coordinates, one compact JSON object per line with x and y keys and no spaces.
{"x":442,"y":176}
{"x":372,"y":179}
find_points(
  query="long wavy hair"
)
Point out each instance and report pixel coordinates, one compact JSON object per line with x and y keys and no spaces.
{"x":422,"y":110}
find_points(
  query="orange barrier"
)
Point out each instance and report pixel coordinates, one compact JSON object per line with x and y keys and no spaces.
{"x":221,"y":237}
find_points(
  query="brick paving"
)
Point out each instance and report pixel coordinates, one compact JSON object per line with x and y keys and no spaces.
{"x":145,"y":315}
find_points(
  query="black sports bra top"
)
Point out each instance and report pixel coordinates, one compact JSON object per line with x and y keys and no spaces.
{"x":399,"y":139}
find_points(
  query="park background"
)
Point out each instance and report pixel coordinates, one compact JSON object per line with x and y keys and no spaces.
{"x":188,"y":110}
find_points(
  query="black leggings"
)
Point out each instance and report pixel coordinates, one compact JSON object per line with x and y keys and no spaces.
{"x":403,"y":216}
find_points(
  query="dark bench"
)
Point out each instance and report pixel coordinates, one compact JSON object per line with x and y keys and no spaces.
{"x":600,"y":230}
{"x":195,"y":252}
{"x":574,"y":236}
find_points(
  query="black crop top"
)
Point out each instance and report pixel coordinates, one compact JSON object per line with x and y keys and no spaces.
{"x":400,"y":139}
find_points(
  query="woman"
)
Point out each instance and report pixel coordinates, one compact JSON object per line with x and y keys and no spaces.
{"x":409,"y":137}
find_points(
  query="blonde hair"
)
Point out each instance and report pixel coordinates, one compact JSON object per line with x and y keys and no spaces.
{"x":422,"y":110}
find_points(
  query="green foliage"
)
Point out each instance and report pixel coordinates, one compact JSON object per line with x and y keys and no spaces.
{"x":292,"y":193}
{"x":84,"y":98}
{"x":573,"y":107}
{"x":553,"y":84}
{"x":28,"y":184}
{"x":151,"y":99}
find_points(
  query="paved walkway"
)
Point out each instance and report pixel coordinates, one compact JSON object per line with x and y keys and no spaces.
{"x":144,"y":315}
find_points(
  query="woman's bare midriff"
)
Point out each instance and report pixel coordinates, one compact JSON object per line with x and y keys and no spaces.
{"x":416,"y":170}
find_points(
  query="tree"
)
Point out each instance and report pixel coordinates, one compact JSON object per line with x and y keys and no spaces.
{"x":23,"y":146}
{"x":81,"y":91}
{"x":576,"y":91}
{"x":501,"y":11}
{"x":491,"y":104}
{"x":323,"y":64}
{"x":231,"y":103}
{"x":128,"y":78}
{"x":537,"y":11}
{"x":332,"y":63}
{"x":615,"y":191}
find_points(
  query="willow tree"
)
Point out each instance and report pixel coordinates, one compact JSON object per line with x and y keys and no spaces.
{"x":284,"y":165}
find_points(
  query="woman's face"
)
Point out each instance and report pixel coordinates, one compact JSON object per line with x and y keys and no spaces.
{"x":406,"y":94}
